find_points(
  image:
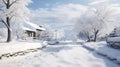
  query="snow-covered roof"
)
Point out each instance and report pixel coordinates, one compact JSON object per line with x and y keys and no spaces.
{"x":25,"y":28}
{"x":31,"y":26}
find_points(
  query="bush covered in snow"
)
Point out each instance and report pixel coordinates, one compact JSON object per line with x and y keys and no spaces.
{"x":113,"y":39}
{"x":115,"y":32}
{"x":46,"y":35}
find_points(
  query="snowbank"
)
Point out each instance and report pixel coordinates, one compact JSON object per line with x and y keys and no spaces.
{"x":64,"y":55}
{"x":18,"y":46}
{"x":103,"y":49}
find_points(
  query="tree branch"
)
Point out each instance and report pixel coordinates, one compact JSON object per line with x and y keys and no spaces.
{"x":10,"y":13}
{"x":5,"y":23}
{"x":11,"y":17}
{"x":4,"y":2}
{"x":13,"y":3}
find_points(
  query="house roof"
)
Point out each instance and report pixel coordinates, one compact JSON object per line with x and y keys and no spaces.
{"x":25,"y":28}
{"x":31,"y":26}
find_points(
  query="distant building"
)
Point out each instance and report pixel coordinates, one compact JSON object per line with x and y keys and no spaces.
{"x":32,"y":30}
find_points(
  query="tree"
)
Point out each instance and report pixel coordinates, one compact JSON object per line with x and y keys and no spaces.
{"x":105,"y":14}
{"x":87,"y":25}
{"x":2,"y":33}
{"x":12,"y":10}
{"x":96,"y":21}
{"x":46,"y":35}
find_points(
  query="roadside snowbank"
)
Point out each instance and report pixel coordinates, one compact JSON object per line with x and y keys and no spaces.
{"x":63,"y":55}
{"x":69,"y":55}
{"x":103,"y":49}
{"x":18,"y":46}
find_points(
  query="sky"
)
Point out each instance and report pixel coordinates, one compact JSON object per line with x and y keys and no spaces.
{"x":59,"y":11}
{"x":50,"y":3}
{"x":56,"y":11}
{"x":60,"y":14}
{"x":57,"y":14}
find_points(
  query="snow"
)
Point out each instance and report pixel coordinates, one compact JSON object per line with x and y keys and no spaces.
{"x":102,"y":48}
{"x":53,"y":42}
{"x":116,"y":31}
{"x":114,"y":39}
{"x":33,"y":26}
{"x":25,"y":28}
{"x":3,"y":34}
{"x":65,"y":53}
{"x":18,"y":46}
{"x":69,"y":54}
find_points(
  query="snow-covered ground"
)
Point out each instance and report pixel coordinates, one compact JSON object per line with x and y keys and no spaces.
{"x":17,"y":46}
{"x":68,"y":54}
{"x":103,"y":49}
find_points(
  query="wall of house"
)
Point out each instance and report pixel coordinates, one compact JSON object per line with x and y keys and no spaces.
{"x":38,"y":33}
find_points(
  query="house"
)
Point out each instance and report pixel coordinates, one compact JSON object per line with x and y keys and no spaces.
{"x":32,"y":30}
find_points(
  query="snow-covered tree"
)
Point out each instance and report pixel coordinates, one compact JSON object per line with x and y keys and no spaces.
{"x":106,"y":14}
{"x":46,"y":35}
{"x":88,"y":26}
{"x":13,"y":11}
{"x":97,"y":21}
{"x":2,"y":33}
{"x":59,"y":34}
{"x":18,"y":32}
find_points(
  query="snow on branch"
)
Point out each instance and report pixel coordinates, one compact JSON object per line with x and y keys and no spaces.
{"x":5,"y":23}
{"x":4,"y":2}
{"x":14,"y":2}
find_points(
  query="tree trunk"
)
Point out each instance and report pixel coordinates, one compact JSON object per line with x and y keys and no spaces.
{"x":8,"y":29}
{"x":95,"y":38}
{"x":9,"y":35}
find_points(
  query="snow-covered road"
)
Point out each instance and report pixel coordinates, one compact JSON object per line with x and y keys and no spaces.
{"x":67,"y":55}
